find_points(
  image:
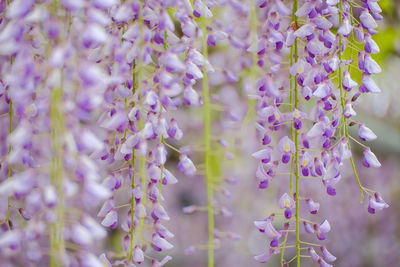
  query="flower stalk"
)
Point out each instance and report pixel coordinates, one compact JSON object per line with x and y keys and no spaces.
{"x":207,"y":144}
{"x":343,"y":103}
{"x":134,"y":86}
{"x":57,"y":176}
{"x":296,"y":142}
{"x":141,"y":121}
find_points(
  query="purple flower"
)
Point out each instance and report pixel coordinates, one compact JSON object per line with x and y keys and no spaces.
{"x":324,"y":227}
{"x":308,"y":228}
{"x":371,"y":66}
{"x":323,"y":263}
{"x":24,"y":214}
{"x":186,"y":166}
{"x":304,"y":31}
{"x":168,"y":178}
{"x":160,"y":243}
{"x":81,"y":235}
{"x":370,"y":45}
{"x":368,"y":85}
{"x":201,"y":10}
{"x":264,"y":257}
{"x":111,"y":219}
{"x":274,"y":242}
{"x":365,"y":134}
{"x":156,"y":263}
{"x":370,"y":160}
{"x":367,"y":20}
{"x":159,"y":213}
{"x":313,"y":207}
{"x":376,"y":203}
{"x":161,"y":154}
{"x":266,"y":227}
{"x":314,"y":256}
{"x":287,"y":147}
{"x":263,"y":155}
{"x":344,"y":149}
{"x":323,"y":90}
{"x":138,"y":255}
{"x":348,"y":83}
{"x":19,"y":8}
{"x":345,"y":28}
{"x":287,"y":203}
{"x":327,"y":255}
{"x":349,"y":111}
{"x":11,"y":240}
{"x":304,"y":10}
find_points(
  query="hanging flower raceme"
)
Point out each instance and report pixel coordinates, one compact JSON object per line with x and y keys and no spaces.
{"x":139,"y":122}
{"x":54,"y":162}
{"x":316,"y":59}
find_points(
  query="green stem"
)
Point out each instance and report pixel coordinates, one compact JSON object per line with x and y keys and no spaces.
{"x":134,"y":85}
{"x":57,"y":245}
{"x":292,"y":137}
{"x":162,"y":137}
{"x":296,"y":143}
{"x":253,"y":71}
{"x":207,"y":154}
{"x":283,"y":249}
{"x":57,"y":242}
{"x":132,"y":204}
{"x":141,"y":121}
{"x":161,"y":176}
{"x":291,"y":122}
{"x":343,"y":103}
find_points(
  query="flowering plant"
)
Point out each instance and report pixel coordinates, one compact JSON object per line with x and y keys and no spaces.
{"x":98,"y":95}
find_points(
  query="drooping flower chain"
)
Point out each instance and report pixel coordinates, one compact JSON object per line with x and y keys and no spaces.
{"x":318,"y":142}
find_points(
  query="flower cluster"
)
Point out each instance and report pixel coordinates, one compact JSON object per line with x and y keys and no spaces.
{"x":87,"y":125}
{"x":307,"y":104}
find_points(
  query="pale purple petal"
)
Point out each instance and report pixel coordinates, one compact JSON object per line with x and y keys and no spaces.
{"x":365,"y":133}
{"x":325,"y":227}
{"x":370,"y":160}
{"x":304,"y":31}
{"x":367,"y":20}
{"x":327,"y":255}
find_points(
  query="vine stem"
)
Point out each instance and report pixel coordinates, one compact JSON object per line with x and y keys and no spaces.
{"x":253,"y":71}
{"x":207,"y":154}
{"x":57,"y":245}
{"x":57,"y":130}
{"x":296,"y":143}
{"x":291,"y":122}
{"x":132,"y":203}
{"x":134,"y":86}
{"x":292,"y":137}
{"x":141,"y":121}
{"x":162,"y":137}
{"x":342,"y":98}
